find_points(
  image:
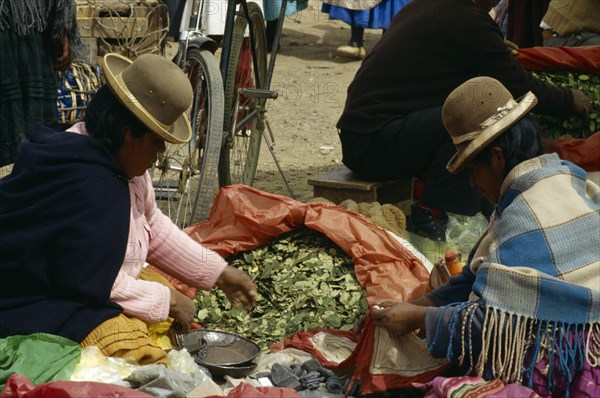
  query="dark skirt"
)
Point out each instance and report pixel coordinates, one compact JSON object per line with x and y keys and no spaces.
{"x":28,"y":88}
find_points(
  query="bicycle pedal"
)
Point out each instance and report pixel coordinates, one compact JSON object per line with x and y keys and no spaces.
{"x":258,"y":93}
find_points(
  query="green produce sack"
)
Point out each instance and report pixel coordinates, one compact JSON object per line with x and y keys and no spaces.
{"x":41,"y":357}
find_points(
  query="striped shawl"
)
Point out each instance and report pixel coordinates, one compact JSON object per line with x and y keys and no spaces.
{"x":538,"y":275}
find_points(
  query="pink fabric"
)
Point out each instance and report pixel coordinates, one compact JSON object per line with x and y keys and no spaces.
{"x":442,"y":387}
{"x":585,"y":384}
{"x":155,"y":239}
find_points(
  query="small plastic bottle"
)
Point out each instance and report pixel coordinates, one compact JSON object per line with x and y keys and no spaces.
{"x":453,"y":262}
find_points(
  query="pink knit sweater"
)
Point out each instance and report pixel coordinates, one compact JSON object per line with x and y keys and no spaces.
{"x":153,"y":238}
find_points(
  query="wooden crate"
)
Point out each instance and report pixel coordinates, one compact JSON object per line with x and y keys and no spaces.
{"x":128,"y":27}
{"x":341,"y":184}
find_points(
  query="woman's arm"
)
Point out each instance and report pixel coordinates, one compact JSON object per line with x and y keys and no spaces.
{"x":145,"y":300}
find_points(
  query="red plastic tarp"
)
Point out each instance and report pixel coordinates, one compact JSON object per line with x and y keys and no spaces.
{"x":243,"y":218}
{"x":576,"y":59}
{"x":584,"y":152}
{"x":245,"y":390}
{"x":18,"y":386}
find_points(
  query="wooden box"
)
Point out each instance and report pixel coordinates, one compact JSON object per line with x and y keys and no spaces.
{"x":341,"y":184}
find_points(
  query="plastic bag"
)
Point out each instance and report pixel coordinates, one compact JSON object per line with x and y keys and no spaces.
{"x":159,"y":381}
{"x":183,"y":362}
{"x":95,"y":366}
{"x":463,"y":232}
{"x":286,"y":356}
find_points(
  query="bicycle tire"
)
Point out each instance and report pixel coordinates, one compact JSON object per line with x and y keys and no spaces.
{"x":187,"y":183}
{"x":239,"y":154}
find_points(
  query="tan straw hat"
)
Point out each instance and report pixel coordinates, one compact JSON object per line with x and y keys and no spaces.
{"x":155,"y":90}
{"x":477,"y":112}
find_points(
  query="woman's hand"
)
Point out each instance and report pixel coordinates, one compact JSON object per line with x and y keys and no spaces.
{"x":399,"y":318}
{"x":182,"y":309}
{"x":237,"y":286}
{"x":581,"y":102}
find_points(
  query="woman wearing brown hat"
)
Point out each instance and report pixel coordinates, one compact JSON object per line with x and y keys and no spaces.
{"x":79,"y":220}
{"x":531,"y":288}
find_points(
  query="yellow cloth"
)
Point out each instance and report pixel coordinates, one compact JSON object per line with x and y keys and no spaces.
{"x":158,"y":330}
{"x":125,"y":337}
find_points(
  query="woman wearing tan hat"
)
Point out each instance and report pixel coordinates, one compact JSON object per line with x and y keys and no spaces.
{"x":79,"y":221}
{"x":531,"y":288}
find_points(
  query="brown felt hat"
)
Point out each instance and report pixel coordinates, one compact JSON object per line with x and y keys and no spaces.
{"x":476,"y":113}
{"x":155,"y":90}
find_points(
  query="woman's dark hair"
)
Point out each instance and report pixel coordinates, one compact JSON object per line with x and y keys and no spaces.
{"x":106,"y":119}
{"x":522,"y":141}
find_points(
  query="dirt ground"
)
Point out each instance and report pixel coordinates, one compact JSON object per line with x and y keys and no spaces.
{"x":312,"y":84}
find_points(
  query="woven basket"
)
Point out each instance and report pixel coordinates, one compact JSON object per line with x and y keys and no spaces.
{"x":79,"y":83}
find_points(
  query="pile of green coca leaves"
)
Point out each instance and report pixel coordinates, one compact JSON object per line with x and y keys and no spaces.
{"x":304,"y":282}
{"x":575,"y":126}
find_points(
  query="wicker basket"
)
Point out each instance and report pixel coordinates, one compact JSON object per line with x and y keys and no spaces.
{"x":76,"y":88}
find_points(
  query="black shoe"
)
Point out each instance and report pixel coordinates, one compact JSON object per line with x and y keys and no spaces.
{"x":423,"y":223}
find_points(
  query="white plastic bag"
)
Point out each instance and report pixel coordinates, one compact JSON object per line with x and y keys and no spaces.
{"x":95,"y":366}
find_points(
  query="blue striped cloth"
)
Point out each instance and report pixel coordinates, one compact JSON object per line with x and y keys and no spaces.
{"x":538,"y":275}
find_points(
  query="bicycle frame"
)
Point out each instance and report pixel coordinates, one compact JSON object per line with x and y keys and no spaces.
{"x":227,"y":36}
{"x":191,"y":34}
{"x":260,"y":92}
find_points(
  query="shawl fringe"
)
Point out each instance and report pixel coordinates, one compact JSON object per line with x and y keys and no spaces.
{"x":513,"y":344}
{"x":36,"y":15}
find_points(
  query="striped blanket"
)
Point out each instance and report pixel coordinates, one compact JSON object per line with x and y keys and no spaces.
{"x":538,"y":276}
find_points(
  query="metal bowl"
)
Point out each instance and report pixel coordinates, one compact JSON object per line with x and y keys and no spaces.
{"x":221,"y":349}
{"x":237,"y":372}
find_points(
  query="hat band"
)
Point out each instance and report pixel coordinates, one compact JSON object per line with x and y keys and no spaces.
{"x":500,"y":113}
{"x":119,"y":79}
{"x":465,"y":137}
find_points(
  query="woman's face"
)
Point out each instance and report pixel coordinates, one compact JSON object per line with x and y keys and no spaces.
{"x":138,"y":154}
{"x":487,"y":178}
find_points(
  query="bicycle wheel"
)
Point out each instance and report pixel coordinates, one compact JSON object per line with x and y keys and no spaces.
{"x":239,"y":155}
{"x":186,"y":184}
